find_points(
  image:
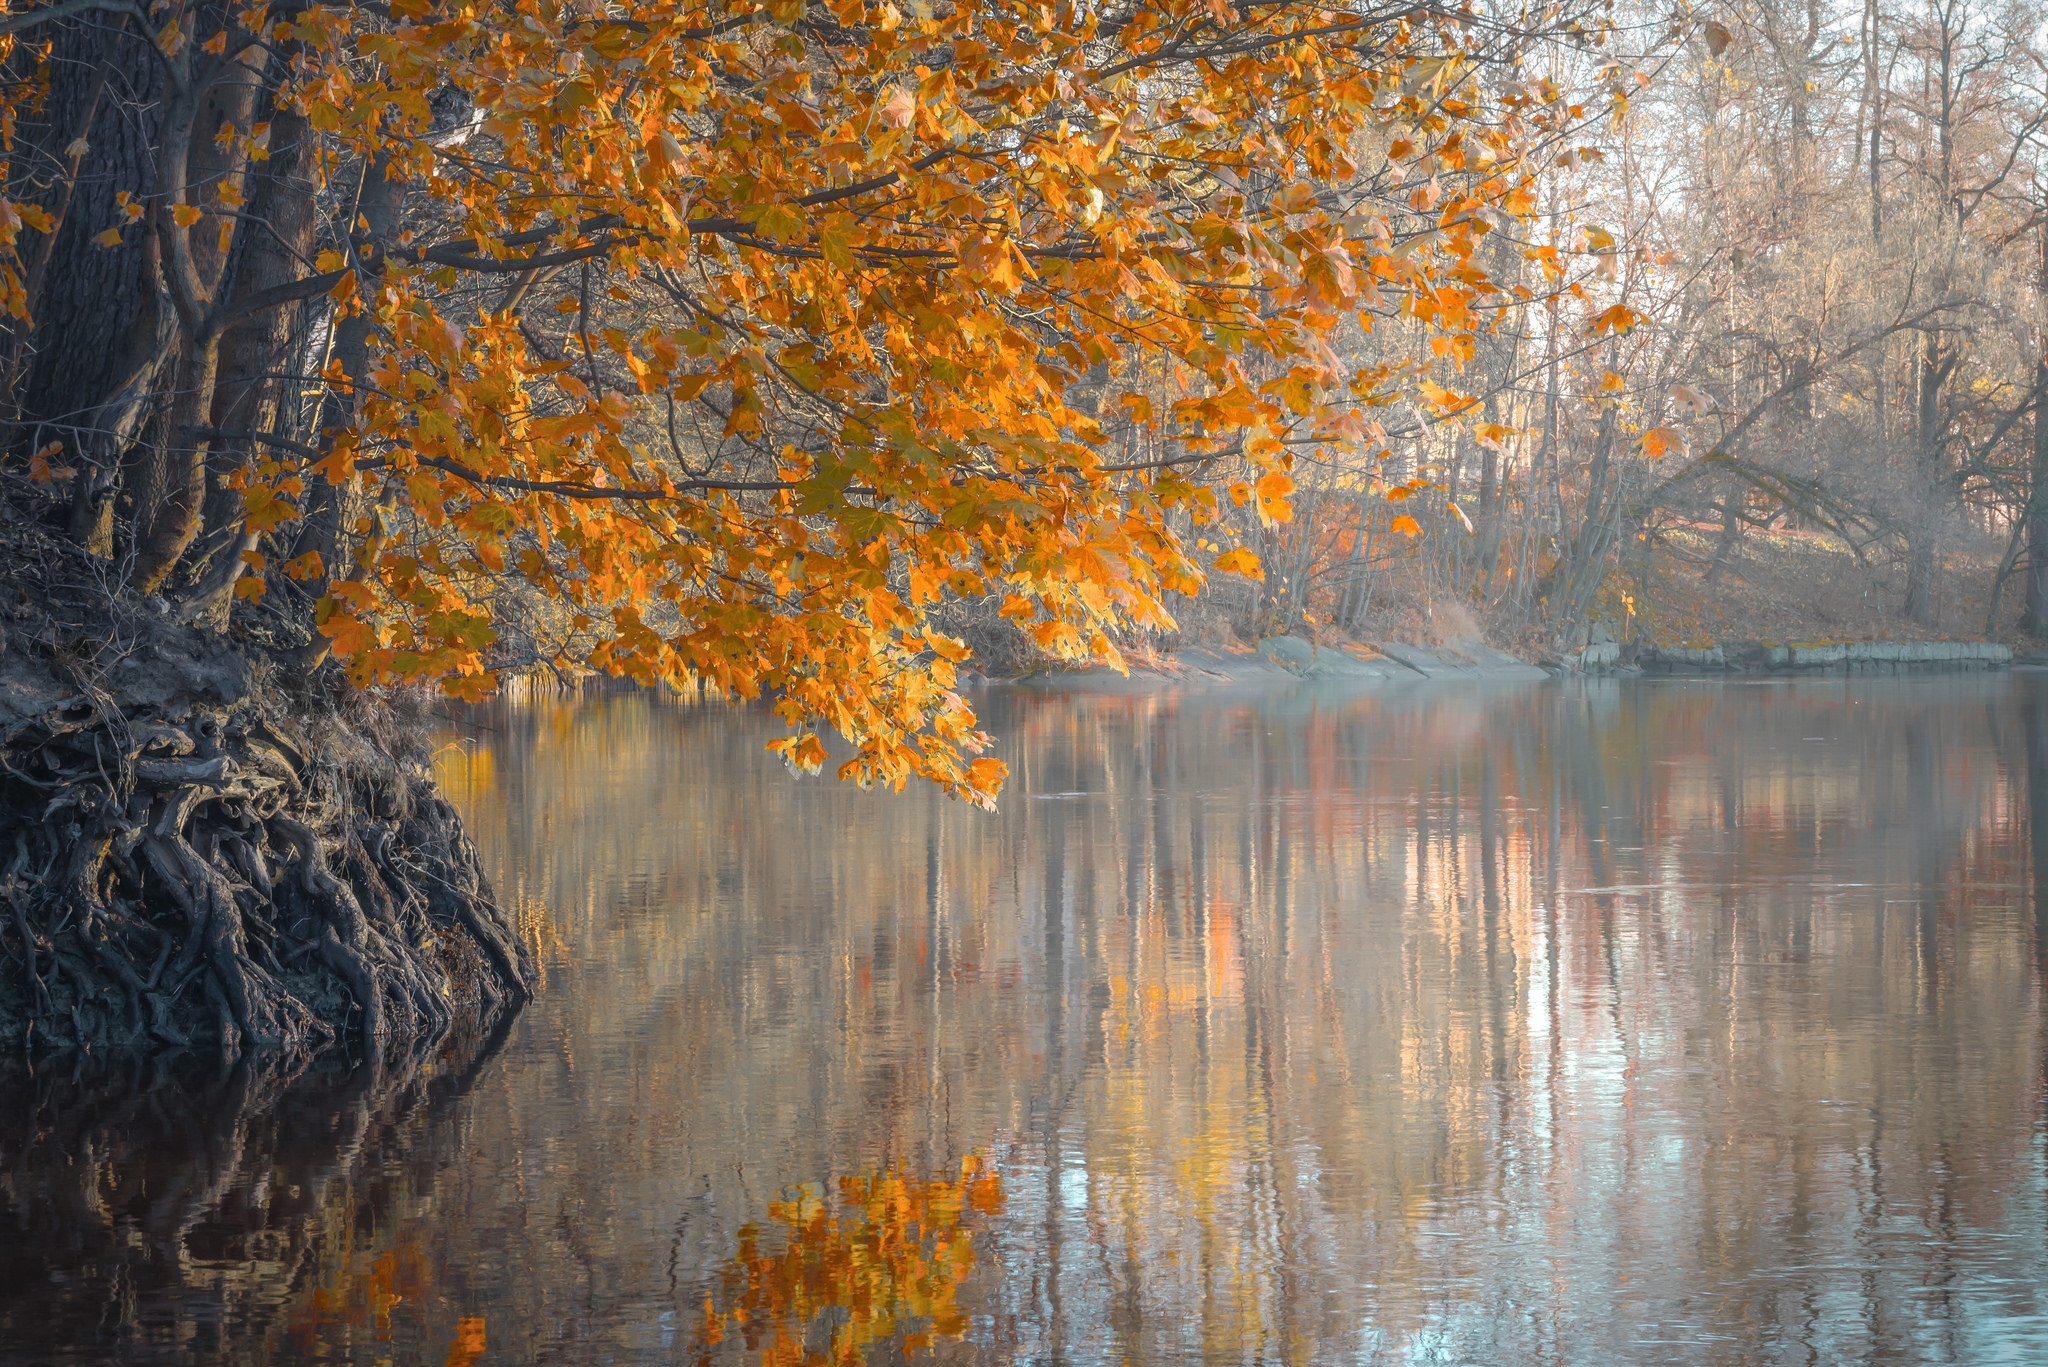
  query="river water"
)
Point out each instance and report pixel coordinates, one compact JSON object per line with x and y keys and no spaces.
{"x":1659,"y":1022}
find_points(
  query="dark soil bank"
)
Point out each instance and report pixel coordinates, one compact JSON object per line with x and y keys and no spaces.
{"x":197,"y":854}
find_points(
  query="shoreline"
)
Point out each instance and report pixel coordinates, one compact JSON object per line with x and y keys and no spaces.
{"x":1796,"y":658}
{"x":1291,"y":661}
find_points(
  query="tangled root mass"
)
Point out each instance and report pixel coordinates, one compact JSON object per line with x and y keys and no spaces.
{"x":192,"y":856}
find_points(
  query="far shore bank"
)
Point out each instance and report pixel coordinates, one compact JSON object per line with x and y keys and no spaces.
{"x":1284,"y":661}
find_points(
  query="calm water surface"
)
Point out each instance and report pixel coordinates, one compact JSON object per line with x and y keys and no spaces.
{"x":1659,"y":1023}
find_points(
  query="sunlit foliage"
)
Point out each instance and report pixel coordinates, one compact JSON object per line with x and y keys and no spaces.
{"x":717,"y":344}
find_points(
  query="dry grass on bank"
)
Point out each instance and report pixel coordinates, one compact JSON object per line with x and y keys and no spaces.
{"x":1809,"y":586}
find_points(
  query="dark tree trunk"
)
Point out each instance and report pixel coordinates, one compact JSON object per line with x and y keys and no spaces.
{"x":1731,"y":537}
{"x":88,"y":339}
{"x":256,"y":353}
{"x":89,"y":375}
{"x":1936,"y":362}
{"x":189,"y":854}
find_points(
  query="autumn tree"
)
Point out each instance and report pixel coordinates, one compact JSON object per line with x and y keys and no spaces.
{"x":706,"y":345}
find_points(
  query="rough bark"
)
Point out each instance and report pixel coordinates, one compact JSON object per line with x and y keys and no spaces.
{"x":82,"y":350}
{"x":250,"y":392}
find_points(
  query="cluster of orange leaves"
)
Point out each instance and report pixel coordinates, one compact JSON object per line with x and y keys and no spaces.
{"x":15,"y":214}
{"x":867,"y":250}
{"x":889,"y":1260}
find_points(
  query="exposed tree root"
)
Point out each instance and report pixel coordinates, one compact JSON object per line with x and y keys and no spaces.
{"x":192,"y":858}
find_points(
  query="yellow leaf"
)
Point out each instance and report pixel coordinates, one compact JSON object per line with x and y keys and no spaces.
{"x":782,"y":223}
{"x":184,"y":215}
{"x":110,"y":238}
{"x":804,"y":754}
{"x":1405,"y":525}
{"x":838,"y":248}
{"x":1240,"y":561}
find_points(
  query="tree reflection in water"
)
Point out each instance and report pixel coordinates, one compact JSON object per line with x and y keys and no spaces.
{"x":833,"y":1279}
{"x":189,"y":1214}
{"x":1676,"y":1022}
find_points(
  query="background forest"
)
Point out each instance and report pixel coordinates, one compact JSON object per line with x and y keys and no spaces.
{"x":1831,"y":226}
{"x":1830,"y":220}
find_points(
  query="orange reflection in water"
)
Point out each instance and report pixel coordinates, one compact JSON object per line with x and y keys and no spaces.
{"x":398,"y":1283}
{"x":361,"y":1297}
{"x":884,"y":1260}
{"x":469,"y":1343}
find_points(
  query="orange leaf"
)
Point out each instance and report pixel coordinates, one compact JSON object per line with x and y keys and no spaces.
{"x":1273,"y":489}
{"x":1657,"y":441}
{"x":1240,"y":561}
{"x":469,"y":1343}
{"x":1617,"y":320}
